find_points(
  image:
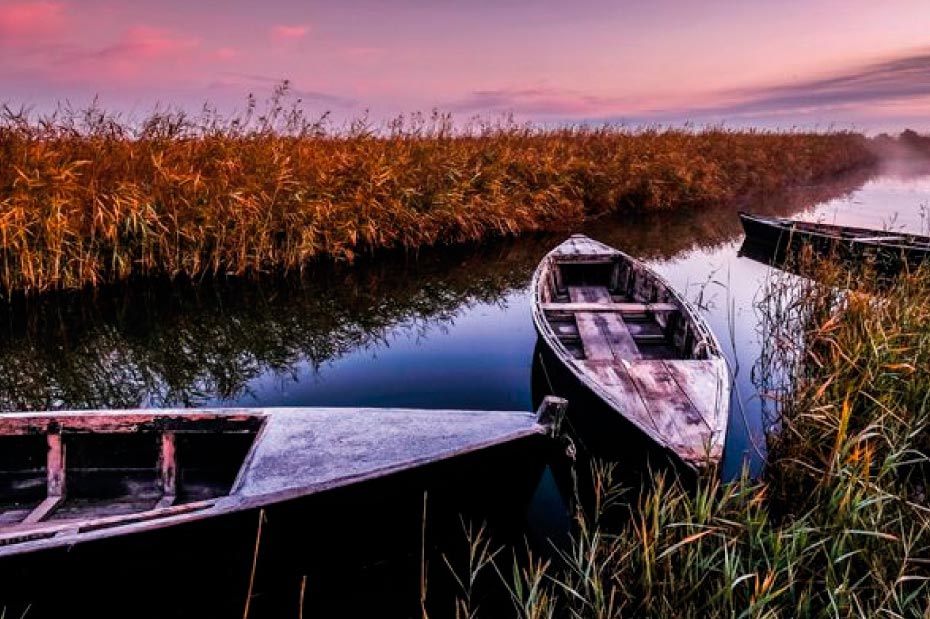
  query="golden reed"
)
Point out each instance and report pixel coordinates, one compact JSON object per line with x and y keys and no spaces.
{"x":87,"y":199}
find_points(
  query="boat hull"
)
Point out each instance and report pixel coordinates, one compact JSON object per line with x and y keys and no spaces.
{"x":635,"y":347}
{"x":779,"y":242}
{"x":358,"y":547}
{"x":598,"y":432}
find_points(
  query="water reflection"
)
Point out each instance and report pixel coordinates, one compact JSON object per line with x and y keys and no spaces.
{"x":660,"y":236}
{"x":183,"y":345}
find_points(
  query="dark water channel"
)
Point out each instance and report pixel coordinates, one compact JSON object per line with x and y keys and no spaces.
{"x":447,"y":328}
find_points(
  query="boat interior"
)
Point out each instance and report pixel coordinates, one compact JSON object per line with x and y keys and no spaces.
{"x":611,"y":309}
{"x":635,"y":341}
{"x":105,"y":468}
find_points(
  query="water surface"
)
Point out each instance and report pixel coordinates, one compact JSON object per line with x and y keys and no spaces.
{"x":445,"y":328}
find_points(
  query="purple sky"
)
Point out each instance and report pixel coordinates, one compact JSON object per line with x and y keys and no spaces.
{"x":858,"y":63}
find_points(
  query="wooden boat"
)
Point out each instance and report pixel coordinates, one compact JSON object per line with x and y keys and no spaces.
{"x":630,"y":339}
{"x":75,"y":477}
{"x":890,"y":251}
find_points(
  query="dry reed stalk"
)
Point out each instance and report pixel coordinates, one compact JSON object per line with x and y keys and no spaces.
{"x":87,"y":199}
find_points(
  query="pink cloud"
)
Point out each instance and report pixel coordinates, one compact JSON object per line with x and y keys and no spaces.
{"x":225,"y":53}
{"x":139,"y":50}
{"x":289,"y":33}
{"x":142,"y":42}
{"x":28,"y":21}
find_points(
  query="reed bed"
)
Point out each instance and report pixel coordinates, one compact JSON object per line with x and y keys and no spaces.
{"x":838,"y":526}
{"x":87,"y":198}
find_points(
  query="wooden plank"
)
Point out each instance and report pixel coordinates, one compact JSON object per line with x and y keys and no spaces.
{"x":585,"y":259}
{"x":551,"y":412}
{"x":44,"y":508}
{"x":613,"y":378}
{"x":326,"y":448}
{"x":12,"y":535}
{"x":581,"y":246}
{"x":605,"y":336}
{"x":567,"y":248}
{"x":648,"y":329}
{"x":565,"y":329}
{"x":168,"y":466}
{"x":650,"y":338}
{"x":557,"y":279}
{"x":55,"y":466}
{"x":657,"y":384}
{"x":878,"y":238}
{"x":627,"y":308}
{"x":54,"y":480}
{"x":644,"y":287}
{"x":593,"y":338}
{"x":18,"y":424}
{"x":589,"y":294}
{"x":700,"y":380}
{"x":683,"y":427}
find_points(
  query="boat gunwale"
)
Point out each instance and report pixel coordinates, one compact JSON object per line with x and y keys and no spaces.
{"x":789,"y":228}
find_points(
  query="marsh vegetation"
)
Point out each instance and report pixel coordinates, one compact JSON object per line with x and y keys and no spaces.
{"x":88,"y":198}
{"x":839,"y":523}
{"x":836,"y":525}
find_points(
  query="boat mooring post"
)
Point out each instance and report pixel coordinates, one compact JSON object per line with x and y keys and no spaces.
{"x":551,"y":412}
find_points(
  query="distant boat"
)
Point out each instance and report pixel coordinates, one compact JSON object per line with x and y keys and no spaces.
{"x":75,"y":477}
{"x":638,"y":346}
{"x":889,"y":251}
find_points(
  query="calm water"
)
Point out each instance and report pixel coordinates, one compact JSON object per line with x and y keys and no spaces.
{"x":445,"y":329}
{"x":480,"y":355}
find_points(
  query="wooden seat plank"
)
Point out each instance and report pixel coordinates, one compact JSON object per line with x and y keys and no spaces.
{"x":605,"y":337}
{"x":593,"y":338}
{"x":630,"y":308}
{"x":589,"y":294}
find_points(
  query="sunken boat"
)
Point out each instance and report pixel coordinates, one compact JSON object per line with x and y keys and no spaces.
{"x":779,"y":240}
{"x":633,"y":343}
{"x":72,"y":478}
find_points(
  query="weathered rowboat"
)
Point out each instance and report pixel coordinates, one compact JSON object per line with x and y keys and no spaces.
{"x":889,"y":251}
{"x":74,"y":477}
{"x":630,"y":339}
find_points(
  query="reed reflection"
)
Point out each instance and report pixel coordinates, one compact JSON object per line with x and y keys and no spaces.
{"x":166,"y":344}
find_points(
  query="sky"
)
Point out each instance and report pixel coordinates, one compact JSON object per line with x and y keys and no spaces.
{"x":858,"y":64}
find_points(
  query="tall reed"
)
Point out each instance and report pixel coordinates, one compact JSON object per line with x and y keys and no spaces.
{"x":88,"y":198}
